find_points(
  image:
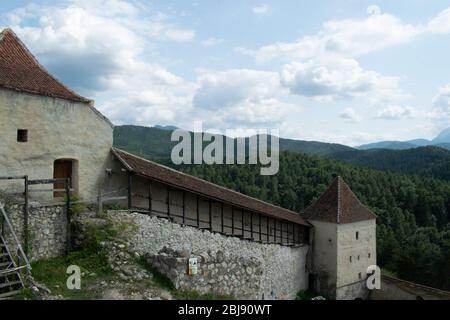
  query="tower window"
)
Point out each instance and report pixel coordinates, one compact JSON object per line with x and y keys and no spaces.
{"x":358,"y":257}
{"x":369,"y":255}
{"x":350,"y":258}
{"x":22,"y":135}
{"x":357,"y":235}
{"x":360,"y":275}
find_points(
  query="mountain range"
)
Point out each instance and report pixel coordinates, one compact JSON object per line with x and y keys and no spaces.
{"x":422,"y":159}
{"x":442,"y":140}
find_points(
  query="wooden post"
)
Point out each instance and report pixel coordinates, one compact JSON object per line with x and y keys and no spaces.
{"x":251,"y":225}
{"x":232,"y":221}
{"x":168,"y":202}
{"x":268,"y":230}
{"x":198,"y":214}
{"x":242,"y":223}
{"x":184,"y":205}
{"x":129,"y":190}
{"x":150,"y":197}
{"x":210,"y":215}
{"x":275,"y":230}
{"x":221,"y":217}
{"x":68,"y":216}
{"x":25,"y":216}
{"x":260,"y":227}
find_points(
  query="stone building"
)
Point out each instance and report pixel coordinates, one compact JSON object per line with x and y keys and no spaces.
{"x":48,"y":131}
{"x":343,"y":244}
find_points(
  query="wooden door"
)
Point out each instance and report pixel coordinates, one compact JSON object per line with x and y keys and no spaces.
{"x":62,"y":169}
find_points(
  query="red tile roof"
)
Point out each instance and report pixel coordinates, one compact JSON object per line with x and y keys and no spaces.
{"x":163,"y":174}
{"x":338,"y":204}
{"x":19,"y":70}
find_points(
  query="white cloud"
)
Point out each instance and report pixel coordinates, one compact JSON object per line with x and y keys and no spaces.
{"x":262,"y":9}
{"x":335,"y":77}
{"x":241,"y":97}
{"x":441,"y":102}
{"x":180,"y":35}
{"x":97,"y":47}
{"x":210,"y":42}
{"x":348,"y":37}
{"x":350,"y":115}
{"x":440,"y":23}
{"x":396,"y":113}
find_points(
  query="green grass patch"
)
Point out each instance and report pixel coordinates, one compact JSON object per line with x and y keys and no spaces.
{"x":305,"y":295}
{"x":91,"y":260}
{"x":159,"y":279}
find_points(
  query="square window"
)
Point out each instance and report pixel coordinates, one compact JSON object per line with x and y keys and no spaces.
{"x":22,"y":135}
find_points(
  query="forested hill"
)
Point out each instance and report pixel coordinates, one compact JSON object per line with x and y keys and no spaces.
{"x":429,"y":161}
{"x":155,"y":142}
{"x":413,"y":232}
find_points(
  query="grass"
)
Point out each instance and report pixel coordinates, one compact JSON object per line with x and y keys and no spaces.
{"x":159,"y":279}
{"x":91,"y":260}
{"x":305,"y":295}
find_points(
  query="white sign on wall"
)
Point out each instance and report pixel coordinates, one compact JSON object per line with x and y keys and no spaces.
{"x":192,"y":266}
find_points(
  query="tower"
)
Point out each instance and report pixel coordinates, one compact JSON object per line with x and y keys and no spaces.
{"x":344,"y":243}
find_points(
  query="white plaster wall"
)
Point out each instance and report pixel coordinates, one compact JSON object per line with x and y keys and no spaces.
{"x":359,"y":250}
{"x":325,"y":256}
{"x":57,"y":129}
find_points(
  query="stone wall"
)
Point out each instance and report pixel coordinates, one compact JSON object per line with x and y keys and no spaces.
{"x":47,"y":229}
{"x":226,"y":265}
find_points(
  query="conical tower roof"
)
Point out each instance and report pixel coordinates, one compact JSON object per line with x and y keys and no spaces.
{"x":338,"y":204}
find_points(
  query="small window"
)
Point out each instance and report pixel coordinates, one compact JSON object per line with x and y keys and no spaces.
{"x":360,"y":275}
{"x":358,"y":257}
{"x":368,"y":255}
{"x":350,"y":258}
{"x":22,"y":135}
{"x":357,"y":235}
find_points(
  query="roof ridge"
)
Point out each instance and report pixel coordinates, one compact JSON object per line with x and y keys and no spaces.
{"x":9,"y":31}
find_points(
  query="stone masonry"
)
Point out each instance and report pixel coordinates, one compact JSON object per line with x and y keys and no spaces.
{"x":226,"y":265}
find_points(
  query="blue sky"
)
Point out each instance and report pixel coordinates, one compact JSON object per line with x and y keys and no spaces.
{"x":350,"y":72}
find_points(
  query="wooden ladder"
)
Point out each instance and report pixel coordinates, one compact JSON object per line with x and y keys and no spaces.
{"x":11,"y":262}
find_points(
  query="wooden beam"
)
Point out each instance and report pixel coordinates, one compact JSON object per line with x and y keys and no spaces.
{"x":260,"y":227}
{"x":184,"y":207}
{"x":232,"y":221}
{"x":150,"y":197}
{"x":129,"y":190}
{"x":251,"y":224}
{"x":25,"y":216}
{"x":198,"y":213}
{"x":221,"y":218}
{"x":168,"y":202}
{"x":210,"y":215}
{"x":275,"y":230}
{"x":242,"y":223}
{"x":268,"y":230}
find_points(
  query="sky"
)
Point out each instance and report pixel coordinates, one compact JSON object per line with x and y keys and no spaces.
{"x":349,"y":71}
